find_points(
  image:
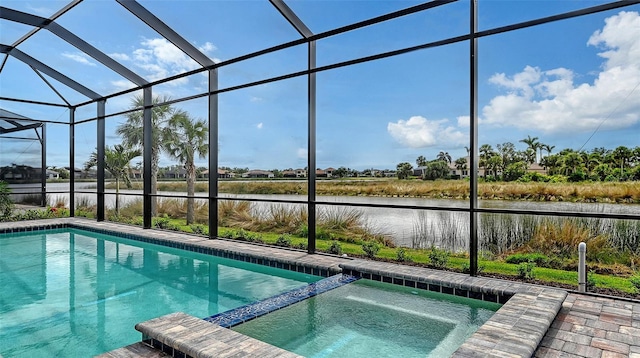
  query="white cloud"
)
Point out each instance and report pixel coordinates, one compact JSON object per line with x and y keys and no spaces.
{"x":419,"y":132}
{"x":255,"y":99}
{"x":120,"y":56}
{"x":207,"y":47}
{"x":158,"y":58}
{"x":121,"y":85}
{"x":259,"y":125}
{"x":301,"y":153}
{"x":464,"y":121}
{"x":550,"y":100}
{"x":79,"y":57}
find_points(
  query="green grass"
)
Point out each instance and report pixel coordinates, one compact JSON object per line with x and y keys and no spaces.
{"x":455,"y":263}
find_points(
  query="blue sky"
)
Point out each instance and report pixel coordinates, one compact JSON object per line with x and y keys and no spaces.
{"x":559,"y":82}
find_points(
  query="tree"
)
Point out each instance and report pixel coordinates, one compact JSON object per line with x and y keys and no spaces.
{"x":495,"y":164}
{"x":341,"y":172}
{"x":444,"y":156}
{"x":514,"y":171}
{"x":532,"y":144}
{"x":486,"y":152}
{"x":436,"y":169}
{"x":184,"y":139}
{"x":622,"y":155}
{"x":404,"y":170}
{"x":132,"y":131}
{"x":572,"y":162}
{"x":591,"y":160}
{"x":421,"y":162}
{"x":461,"y":164}
{"x":117,"y":162}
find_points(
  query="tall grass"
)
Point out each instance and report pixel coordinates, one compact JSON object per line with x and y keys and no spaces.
{"x":608,"y":241}
{"x":588,"y":192}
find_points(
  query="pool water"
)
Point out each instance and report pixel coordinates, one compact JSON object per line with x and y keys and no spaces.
{"x":372,"y":319}
{"x":74,"y":293}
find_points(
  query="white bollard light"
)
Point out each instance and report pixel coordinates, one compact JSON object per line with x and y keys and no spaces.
{"x":582,"y":267}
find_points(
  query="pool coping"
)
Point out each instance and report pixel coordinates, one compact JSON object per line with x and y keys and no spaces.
{"x":515,"y":330}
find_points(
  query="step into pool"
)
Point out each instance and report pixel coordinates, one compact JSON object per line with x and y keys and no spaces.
{"x":372,"y":319}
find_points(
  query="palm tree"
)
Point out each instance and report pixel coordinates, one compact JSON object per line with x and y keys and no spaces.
{"x":131,"y":133}
{"x":548,"y":148}
{"x":532,"y":143}
{"x":403,"y":170}
{"x":444,"y":156}
{"x":486,"y":152}
{"x":591,"y":160}
{"x":421,"y":161}
{"x":494,"y":164}
{"x":572,"y":162}
{"x":461,"y":164}
{"x":117,"y":162}
{"x":622,"y":154}
{"x":186,"y":138}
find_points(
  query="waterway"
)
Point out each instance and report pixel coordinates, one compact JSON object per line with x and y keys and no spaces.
{"x":406,"y":226}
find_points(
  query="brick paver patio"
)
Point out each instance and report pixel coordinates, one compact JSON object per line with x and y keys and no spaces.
{"x":588,"y":326}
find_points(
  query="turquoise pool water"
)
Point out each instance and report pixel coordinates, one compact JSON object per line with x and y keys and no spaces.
{"x":73,"y":293}
{"x":372,"y":319}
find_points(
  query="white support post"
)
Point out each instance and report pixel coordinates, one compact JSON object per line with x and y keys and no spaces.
{"x":582,"y":267}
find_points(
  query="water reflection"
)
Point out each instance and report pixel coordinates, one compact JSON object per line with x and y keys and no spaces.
{"x":67,"y":293}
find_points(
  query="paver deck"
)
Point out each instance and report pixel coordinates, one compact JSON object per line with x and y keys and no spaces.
{"x":589,"y":326}
{"x":585,"y":326}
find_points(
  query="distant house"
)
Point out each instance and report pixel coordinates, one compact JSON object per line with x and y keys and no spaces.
{"x":175,"y":173}
{"x":289,"y":174}
{"x":224,"y":174}
{"x":329,"y":171}
{"x":52,"y":174}
{"x":257,"y":173}
{"x":321,"y":173}
{"x":25,"y":173}
{"x":301,"y":173}
{"x":537,"y":168}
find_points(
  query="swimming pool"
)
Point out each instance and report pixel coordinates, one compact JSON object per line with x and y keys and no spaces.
{"x":372,"y":319}
{"x":75,"y":293}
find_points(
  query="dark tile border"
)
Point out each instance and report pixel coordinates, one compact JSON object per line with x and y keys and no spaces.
{"x":248,"y":312}
{"x":192,"y":247}
{"x":421,"y":284}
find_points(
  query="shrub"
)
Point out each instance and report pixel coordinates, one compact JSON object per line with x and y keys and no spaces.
{"x":439,"y":258}
{"x":538,"y":258}
{"x":6,"y":204}
{"x":525,"y":270}
{"x":466,"y":268}
{"x":301,"y":246}
{"x":335,"y":248}
{"x":162,"y":223}
{"x":635,"y":281}
{"x":284,"y":241}
{"x":303,"y":231}
{"x":591,"y":280}
{"x":401,"y":255}
{"x":371,"y":249}
{"x":198,"y":229}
